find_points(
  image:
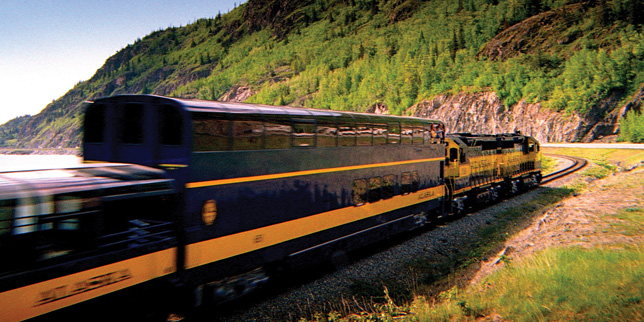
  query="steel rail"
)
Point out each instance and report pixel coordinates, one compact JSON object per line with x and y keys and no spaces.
{"x":578,"y":163}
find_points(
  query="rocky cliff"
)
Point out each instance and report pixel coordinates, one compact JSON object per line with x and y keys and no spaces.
{"x":485,"y":113}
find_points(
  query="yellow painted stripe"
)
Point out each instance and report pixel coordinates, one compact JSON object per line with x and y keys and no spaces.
{"x":167,"y":165}
{"x":479,"y":185}
{"x":44,"y":297}
{"x":495,"y":181}
{"x":212,"y":250}
{"x":303,"y":173}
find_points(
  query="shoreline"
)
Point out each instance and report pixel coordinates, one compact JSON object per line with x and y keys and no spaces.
{"x":61,"y":151}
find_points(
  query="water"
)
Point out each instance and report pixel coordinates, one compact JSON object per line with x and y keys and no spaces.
{"x":34,"y":162}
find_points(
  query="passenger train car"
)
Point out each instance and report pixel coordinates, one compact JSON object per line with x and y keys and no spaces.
{"x":70,"y":235}
{"x":212,"y":198}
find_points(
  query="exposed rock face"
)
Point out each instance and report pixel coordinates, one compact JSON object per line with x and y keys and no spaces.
{"x":485,"y":113}
{"x":237,"y":94}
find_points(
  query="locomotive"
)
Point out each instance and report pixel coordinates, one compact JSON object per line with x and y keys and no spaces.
{"x":213,"y":198}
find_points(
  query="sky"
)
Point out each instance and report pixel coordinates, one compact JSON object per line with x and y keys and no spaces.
{"x":48,"y":46}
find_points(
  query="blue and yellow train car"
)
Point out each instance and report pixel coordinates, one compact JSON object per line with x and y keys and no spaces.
{"x":68,"y":236}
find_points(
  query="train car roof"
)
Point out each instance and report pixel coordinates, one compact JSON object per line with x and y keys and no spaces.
{"x":117,"y":178}
{"x":477,"y":139}
{"x":196,"y":105}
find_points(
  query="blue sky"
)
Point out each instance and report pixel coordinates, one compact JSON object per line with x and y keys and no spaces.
{"x":47,"y":46}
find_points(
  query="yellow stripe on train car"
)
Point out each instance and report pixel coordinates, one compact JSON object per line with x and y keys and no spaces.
{"x":40,"y":298}
{"x":219,"y":182}
{"x":213,"y":250}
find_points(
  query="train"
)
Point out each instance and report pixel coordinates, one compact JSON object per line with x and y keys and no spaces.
{"x":201,"y":201}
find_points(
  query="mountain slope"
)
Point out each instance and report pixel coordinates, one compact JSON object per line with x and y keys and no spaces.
{"x":575,"y":58}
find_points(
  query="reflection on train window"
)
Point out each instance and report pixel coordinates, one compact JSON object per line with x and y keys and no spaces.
{"x":278,"y":133}
{"x":6,"y":216}
{"x":375,"y":185}
{"x":406,"y":135}
{"x":394,"y":134}
{"x":95,"y":124}
{"x":248,"y":134}
{"x":25,"y":216}
{"x":211,"y":133}
{"x":170,"y":126}
{"x":363,"y":134}
{"x":303,"y":133}
{"x":326,"y":133}
{"x":132,"y":124}
{"x":359,"y":192}
{"x":415,"y":181}
{"x":346,"y":135}
{"x":405,"y":181}
{"x":418,"y":135}
{"x":388,"y":183}
{"x":64,"y":205}
{"x":379,"y":134}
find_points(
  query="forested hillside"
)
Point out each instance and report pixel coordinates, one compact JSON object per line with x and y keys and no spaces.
{"x":567,"y":56}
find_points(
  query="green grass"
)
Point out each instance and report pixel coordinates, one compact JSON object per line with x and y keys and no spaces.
{"x":557,"y":284}
{"x":627,"y":222}
{"x":547,"y":164}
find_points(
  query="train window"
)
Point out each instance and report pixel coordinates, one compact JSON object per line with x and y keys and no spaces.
{"x":303,"y":133}
{"x":394,"y":134}
{"x":405,"y":181}
{"x":406,"y":135}
{"x":327,"y":131}
{"x":375,"y":187}
{"x":379,"y":134}
{"x":346,"y":134}
{"x":453,"y":154}
{"x":68,"y":204}
{"x":532,"y":147}
{"x":170,"y":126}
{"x":388,"y":183}
{"x":359,"y":192}
{"x":25,"y":216}
{"x":211,"y":132}
{"x":278,"y":133}
{"x":418,"y":135}
{"x":415,"y":181}
{"x":364,"y":135}
{"x":248,"y":134}
{"x":94,"y":126}
{"x":132,"y":124}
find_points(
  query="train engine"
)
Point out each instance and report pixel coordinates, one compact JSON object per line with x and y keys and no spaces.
{"x":482,"y":168}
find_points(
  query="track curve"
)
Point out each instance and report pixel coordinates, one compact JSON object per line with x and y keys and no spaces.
{"x":578,"y":163}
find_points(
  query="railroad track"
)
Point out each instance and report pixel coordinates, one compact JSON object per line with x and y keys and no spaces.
{"x":577,"y":164}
